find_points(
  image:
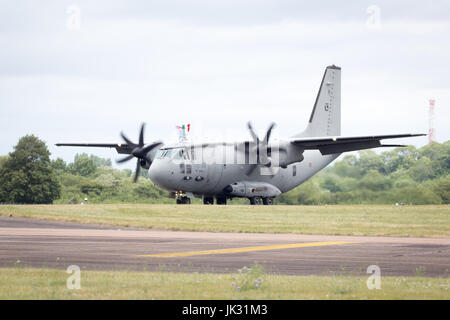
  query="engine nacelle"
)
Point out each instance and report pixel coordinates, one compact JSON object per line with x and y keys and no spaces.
{"x":249,"y":189}
{"x":144,"y":163}
{"x":284,"y":154}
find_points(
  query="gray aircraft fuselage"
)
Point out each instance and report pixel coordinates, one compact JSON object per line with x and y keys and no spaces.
{"x":211,"y":179}
{"x":257,"y":169}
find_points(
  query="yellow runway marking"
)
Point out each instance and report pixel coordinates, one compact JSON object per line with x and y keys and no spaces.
{"x":240,"y":250}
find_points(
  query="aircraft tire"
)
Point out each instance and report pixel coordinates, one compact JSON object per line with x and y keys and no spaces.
{"x":221,"y":200}
{"x":184,"y":200}
{"x":208,"y":200}
{"x":268,"y":201}
{"x":255,"y":201}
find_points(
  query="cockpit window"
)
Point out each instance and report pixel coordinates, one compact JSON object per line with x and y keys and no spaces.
{"x":179,"y":154}
{"x":164,"y":153}
{"x":168,"y":153}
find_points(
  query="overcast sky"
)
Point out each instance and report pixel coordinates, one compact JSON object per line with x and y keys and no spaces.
{"x":82,"y":71}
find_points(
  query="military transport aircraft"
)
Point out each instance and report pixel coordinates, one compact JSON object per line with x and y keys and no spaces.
{"x":255,"y":169}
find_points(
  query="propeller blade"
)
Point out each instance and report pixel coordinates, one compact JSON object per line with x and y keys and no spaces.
{"x":138,"y":169}
{"x":150,"y":147}
{"x":252,"y":132}
{"x":141,"y":135}
{"x":128,"y":141}
{"x":139,"y":151}
{"x":127,"y":158}
{"x":269,"y":131}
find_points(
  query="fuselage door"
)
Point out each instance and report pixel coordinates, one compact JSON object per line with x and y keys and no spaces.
{"x":206,"y":172}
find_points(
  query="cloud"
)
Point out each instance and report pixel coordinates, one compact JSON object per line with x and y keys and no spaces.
{"x":170,"y":63}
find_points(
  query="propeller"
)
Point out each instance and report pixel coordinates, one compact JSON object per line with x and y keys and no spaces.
{"x":262,"y":158}
{"x":139,"y":151}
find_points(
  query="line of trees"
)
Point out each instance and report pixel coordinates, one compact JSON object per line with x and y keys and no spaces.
{"x":94,"y":179}
{"x":402,"y":175}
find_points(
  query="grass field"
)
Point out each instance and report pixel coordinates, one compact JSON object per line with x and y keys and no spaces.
{"x":417,"y":221}
{"x":374,"y":220}
{"x":29,"y":283}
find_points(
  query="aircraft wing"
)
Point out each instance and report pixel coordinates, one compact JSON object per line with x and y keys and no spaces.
{"x":330,"y":145}
{"x":120,"y":147}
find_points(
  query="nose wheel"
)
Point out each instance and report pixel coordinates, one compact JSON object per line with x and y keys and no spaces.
{"x":183,"y":200}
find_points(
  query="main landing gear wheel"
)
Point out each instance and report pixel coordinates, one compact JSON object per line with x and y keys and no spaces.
{"x":183,"y":200}
{"x":255,"y":201}
{"x":221,"y":200}
{"x":208,"y":200}
{"x":267,"y":201}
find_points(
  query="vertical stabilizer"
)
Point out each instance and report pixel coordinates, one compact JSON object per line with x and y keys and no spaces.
{"x":325,"y":119}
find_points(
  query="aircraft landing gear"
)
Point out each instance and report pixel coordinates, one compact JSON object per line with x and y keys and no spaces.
{"x":208,"y":200}
{"x":255,"y":201}
{"x":258,"y":200}
{"x":221,"y":200}
{"x":183,"y":200}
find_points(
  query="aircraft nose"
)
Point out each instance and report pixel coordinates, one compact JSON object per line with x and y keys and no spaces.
{"x":157,"y":174}
{"x":154,"y":174}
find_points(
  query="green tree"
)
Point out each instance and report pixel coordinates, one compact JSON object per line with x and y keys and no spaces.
{"x":3,"y":159}
{"x":127,"y":172}
{"x":83,"y":165}
{"x":347,"y":167}
{"x":310,"y":193}
{"x":415,"y":195}
{"x":439,"y":154}
{"x":27,"y":175}
{"x":59,"y":164}
{"x":422,"y":170}
{"x":101,"y":162}
{"x":369,"y":161}
{"x":399,"y":158}
{"x":375,"y":181}
{"x":331,"y":183}
{"x":441,"y":187}
{"x":91,"y":188}
{"x":404,"y":181}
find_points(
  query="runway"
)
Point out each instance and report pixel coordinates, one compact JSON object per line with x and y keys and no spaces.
{"x":37,"y":243}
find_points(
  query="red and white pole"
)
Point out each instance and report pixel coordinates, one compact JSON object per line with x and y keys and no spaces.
{"x":431,"y":130}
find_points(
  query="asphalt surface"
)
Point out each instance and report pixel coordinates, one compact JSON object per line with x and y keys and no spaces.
{"x":37,"y":243}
